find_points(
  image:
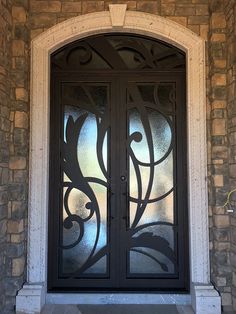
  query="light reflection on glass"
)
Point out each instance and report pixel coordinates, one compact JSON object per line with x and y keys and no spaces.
{"x":161,"y":133}
{"x":163,"y":177}
{"x":87,"y":149}
{"x":157,"y":211}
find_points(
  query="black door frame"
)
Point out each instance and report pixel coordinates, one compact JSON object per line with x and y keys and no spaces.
{"x":55,"y":284}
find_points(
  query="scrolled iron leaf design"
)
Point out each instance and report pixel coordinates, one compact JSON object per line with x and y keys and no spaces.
{"x":157,"y":243}
{"x":147,"y":239}
{"x":81,"y":183}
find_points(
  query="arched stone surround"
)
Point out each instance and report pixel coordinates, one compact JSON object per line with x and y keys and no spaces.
{"x":33,"y":295}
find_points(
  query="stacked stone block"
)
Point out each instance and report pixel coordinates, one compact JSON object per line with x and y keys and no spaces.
{"x":218,"y":158}
{"x":14,"y":133}
{"x":5,"y":129}
{"x":192,"y":14}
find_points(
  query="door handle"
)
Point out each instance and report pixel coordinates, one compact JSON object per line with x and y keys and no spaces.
{"x":123,"y":178}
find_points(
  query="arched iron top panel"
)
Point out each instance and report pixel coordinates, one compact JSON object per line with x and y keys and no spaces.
{"x":116,"y":52}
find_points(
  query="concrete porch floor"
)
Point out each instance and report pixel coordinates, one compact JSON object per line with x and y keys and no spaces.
{"x":116,"y":309}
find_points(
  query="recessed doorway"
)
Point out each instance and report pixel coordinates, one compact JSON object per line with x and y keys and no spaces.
{"x":118,"y":216}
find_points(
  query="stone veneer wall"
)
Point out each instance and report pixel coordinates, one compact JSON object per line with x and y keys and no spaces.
{"x":5,"y":125}
{"x":218,"y":153}
{"x":14,"y":134}
{"x":25,"y":19}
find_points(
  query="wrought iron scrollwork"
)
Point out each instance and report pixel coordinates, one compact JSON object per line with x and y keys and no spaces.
{"x":140,"y":238}
{"x":116,"y":52}
{"x":76,"y":180}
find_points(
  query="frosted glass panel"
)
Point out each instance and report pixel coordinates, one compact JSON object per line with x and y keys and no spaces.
{"x":151,"y":181}
{"x":87,"y":149}
{"x":86,"y":135}
{"x":162,"y":210}
{"x":153,"y":251}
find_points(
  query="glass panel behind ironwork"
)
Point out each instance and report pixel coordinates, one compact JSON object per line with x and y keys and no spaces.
{"x":151,"y":110}
{"x":84,"y":229}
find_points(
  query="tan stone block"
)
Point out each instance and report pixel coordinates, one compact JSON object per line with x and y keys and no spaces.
{"x":17,"y":163}
{"x":92,"y":6}
{"x":17,"y":238}
{"x":220,"y":63}
{"x":218,"y":127}
{"x":218,"y":104}
{"x":198,"y":20}
{"x":202,"y":9}
{"x":218,"y":180}
{"x":18,"y":265}
{"x":167,"y":8}
{"x":204,"y":29}
{"x":21,"y":94}
{"x":218,"y":20}
{"x":217,"y":161}
{"x":19,"y":14}
{"x":221,"y":221}
{"x":222,"y":246}
{"x":218,"y":37}
{"x":185,"y":10}
{"x":45,"y":6}
{"x":72,"y":7}
{"x":21,"y":120}
{"x":179,"y":19}
{"x":15,"y":226}
{"x":43,"y":20}
{"x":147,"y":6}
{"x":218,"y":210}
{"x":18,"y":48}
{"x":218,"y":79}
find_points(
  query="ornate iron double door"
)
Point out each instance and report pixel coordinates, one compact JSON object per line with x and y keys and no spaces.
{"x":117,"y":210}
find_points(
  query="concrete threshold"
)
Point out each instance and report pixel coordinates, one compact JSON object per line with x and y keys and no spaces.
{"x":116,"y":309}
